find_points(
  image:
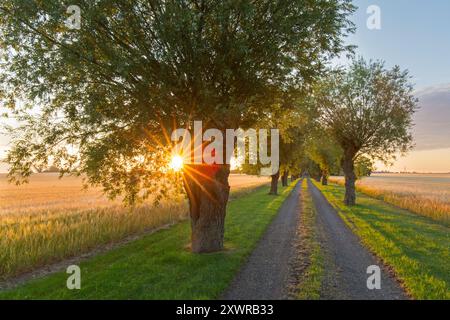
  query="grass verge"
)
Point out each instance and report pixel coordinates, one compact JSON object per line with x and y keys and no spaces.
{"x":428,"y":206}
{"x":159,"y":266}
{"x":416,"y":247}
{"x":36,"y":238}
{"x":312,"y":276}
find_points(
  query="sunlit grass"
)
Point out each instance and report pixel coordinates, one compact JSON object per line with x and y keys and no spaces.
{"x":312,"y":277}
{"x":416,"y":247}
{"x":159,"y":266}
{"x":37,"y":238}
{"x":419,"y":196}
{"x":51,"y":219}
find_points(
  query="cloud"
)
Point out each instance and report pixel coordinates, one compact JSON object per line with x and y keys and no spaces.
{"x":432,"y":120}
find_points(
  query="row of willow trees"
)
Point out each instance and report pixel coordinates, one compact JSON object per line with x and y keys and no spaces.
{"x":351,"y":117}
{"x":99,"y":101}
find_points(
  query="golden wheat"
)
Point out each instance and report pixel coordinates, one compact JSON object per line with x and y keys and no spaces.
{"x":421,"y":194}
{"x":52,"y":219}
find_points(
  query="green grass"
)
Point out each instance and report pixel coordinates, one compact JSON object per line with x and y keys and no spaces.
{"x":416,"y":247}
{"x":159,"y":266}
{"x":311,"y":283}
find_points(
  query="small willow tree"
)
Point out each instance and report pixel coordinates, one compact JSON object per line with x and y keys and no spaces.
{"x":368,"y":110}
{"x":293,"y":117}
{"x":114,"y":88}
{"x":326,"y":153}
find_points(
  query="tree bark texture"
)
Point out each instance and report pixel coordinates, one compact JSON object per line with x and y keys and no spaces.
{"x":284,"y":178}
{"x":350,"y":177}
{"x":274,"y":184}
{"x":208,"y":191}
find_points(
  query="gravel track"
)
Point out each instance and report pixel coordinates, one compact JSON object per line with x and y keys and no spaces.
{"x":266,"y":272}
{"x":347,"y":260}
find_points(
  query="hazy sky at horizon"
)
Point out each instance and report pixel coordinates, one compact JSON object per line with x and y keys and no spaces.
{"x":414,"y":34}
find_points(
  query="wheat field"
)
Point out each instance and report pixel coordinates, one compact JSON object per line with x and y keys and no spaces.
{"x":423,"y":194}
{"x":51,"y":219}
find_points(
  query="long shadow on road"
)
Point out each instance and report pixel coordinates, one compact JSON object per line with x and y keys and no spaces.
{"x":266,"y":273}
{"x":347,"y":260}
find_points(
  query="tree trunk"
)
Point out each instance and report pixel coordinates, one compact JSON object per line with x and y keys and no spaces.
{"x":284,"y":178}
{"x":208,"y":190}
{"x":350,"y":178}
{"x":274,"y":183}
{"x":324,"y":179}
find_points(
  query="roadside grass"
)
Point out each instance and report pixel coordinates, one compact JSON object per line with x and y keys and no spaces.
{"x":431,"y":206}
{"x":312,"y":277}
{"x":32,"y":238}
{"x":160,"y":266}
{"x":37,"y":238}
{"x":416,"y":247}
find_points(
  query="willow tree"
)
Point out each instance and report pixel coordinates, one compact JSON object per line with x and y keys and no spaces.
{"x":294,"y":138}
{"x":291,"y":151}
{"x":326,"y":153}
{"x":368,"y":110}
{"x":293,"y":117}
{"x":364,"y":167}
{"x":136,"y":69}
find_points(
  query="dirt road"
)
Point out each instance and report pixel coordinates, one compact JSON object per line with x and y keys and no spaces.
{"x":266,"y":273}
{"x":347,"y":260}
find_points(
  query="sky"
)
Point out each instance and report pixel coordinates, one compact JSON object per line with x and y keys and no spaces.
{"x":414,"y":34}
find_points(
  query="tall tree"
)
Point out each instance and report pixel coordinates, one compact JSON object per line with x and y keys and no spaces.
{"x":293,"y":117}
{"x":368,"y":110}
{"x":293,"y":139}
{"x":136,"y":69}
{"x":324,"y":151}
{"x":292,"y":120}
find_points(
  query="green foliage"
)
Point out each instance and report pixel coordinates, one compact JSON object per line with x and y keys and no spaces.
{"x":294,"y":116}
{"x":363,"y":167}
{"x":368,"y":109}
{"x":105,"y":96}
{"x":325,"y":152}
{"x":311,"y":167}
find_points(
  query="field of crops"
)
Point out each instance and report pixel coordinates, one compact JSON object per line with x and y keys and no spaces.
{"x":50,"y":219}
{"x":47,"y":191}
{"x":424,"y":194}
